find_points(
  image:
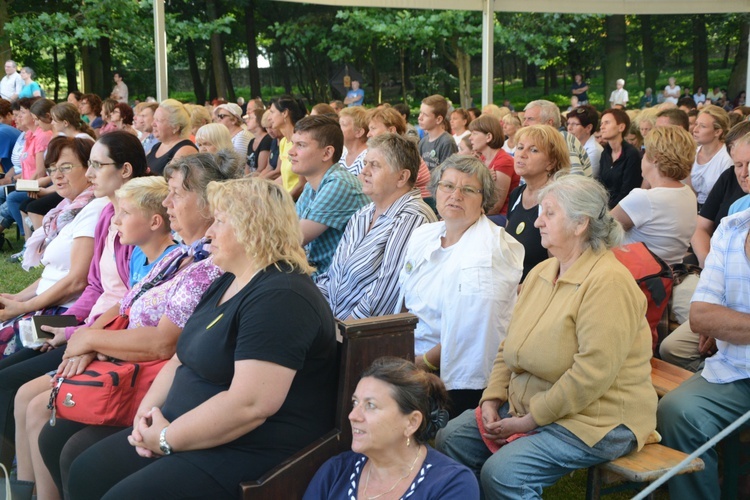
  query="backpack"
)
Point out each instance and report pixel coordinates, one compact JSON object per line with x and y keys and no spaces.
{"x":654,"y":278}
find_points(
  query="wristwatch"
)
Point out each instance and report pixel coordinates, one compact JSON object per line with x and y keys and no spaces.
{"x":163,"y":445}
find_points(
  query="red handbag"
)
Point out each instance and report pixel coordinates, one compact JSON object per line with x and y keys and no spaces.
{"x":107,"y":393}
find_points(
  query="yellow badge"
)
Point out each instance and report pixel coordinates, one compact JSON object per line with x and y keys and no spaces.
{"x":215,"y":321}
{"x":520,"y":227}
{"x":408,"y":267}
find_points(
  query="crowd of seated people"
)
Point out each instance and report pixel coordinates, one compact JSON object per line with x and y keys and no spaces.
{"x":229,"y":248}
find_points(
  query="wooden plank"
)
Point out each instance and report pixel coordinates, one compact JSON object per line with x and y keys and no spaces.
{"x":666,"y":376}
{"x":647,"y":465}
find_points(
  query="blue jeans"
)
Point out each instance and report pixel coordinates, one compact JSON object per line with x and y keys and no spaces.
{"x":13,"y":203}
{"x":688,"y":417}
{"x":523,"y":468}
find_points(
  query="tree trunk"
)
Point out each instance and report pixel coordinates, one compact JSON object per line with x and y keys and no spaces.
{"x":92,"y":75}
{"x":546,"y":80}
{"x":738,"y":78}
{"x":285,"y":73}
{"x":650,"y":67}
{"x":5,"y":52}
{"x":402,"y":58}
{"x":56,"y":71}
{"x":105,"y":67}
{"x":217,"y":54}
{"x":502,"y":74}
{"x":232,"y":97}
{"x":213,"y":92}
{"x":530,"y":75}
{"x":375,"y":72}
{"x":252,"y":50}
{"x":553,"y":80}
{"x":195,"y":75}
{"x":700,"y":53}
{"x":70,"y":70}
{"x":464,"y":77}
{"x":615,"y":53}
{"x":725,"y":60}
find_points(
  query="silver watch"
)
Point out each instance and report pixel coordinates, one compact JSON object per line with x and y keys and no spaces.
{"x":163,"y":445}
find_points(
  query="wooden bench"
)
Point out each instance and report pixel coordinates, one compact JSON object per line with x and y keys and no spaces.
{"x":363,"y":341}
{"x":637,"y":468}
{"x":666,"y":376}
{"x":654,"y":460}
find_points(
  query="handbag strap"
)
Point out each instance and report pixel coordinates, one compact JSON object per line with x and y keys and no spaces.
{"x":7,"y":481}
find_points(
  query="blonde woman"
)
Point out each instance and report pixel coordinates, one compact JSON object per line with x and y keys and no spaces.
{"x":200,"y":413}
{"x":171,"y":126}
{"x":212,"y":138}
{"x":712,"y":157}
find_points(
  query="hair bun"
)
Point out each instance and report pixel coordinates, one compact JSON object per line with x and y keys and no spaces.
{"x":437,"y":419}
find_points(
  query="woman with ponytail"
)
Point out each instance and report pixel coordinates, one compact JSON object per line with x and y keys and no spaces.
{"x":571,"y":384}
{"x":396,"y":409}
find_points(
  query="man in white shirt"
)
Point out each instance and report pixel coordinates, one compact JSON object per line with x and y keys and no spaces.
{"x":120,"y":92}
{"x":713,"y":398}
{"x":12,"y":83}
{"x":541,"y":112}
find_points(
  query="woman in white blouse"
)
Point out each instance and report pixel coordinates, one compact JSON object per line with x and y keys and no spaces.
{"x":460,"y":278}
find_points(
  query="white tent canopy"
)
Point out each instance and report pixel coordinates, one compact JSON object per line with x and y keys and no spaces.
{"x":488,"y":8}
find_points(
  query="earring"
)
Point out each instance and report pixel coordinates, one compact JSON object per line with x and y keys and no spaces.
{"x":408,"y":442}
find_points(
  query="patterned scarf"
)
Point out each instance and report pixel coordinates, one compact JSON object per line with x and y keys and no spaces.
{"x":53,"y":222}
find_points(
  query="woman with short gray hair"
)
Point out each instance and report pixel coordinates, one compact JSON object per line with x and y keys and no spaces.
{"x":572,"y":378}
{"x":460,"y":278}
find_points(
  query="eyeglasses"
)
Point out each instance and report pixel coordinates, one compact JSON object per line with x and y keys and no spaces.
{"x":98,"y":165}
{"x":64,"y":169}
{"x":221,"y":117}
{"x":449,"y":188}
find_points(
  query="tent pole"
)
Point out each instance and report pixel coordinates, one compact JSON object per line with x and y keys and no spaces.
{"x":160,"y":48}
{"x":488,"y":35}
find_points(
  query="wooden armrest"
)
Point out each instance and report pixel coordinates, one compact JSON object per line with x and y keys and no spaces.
{"x":295,"y":473}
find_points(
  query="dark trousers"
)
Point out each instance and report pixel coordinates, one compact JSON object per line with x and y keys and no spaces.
{"x":16,"y":370}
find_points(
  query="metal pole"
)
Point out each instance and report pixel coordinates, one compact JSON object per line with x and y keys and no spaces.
{"x":160,"y":48}
{"x":488,"y":60}
{"x":700,"y":451}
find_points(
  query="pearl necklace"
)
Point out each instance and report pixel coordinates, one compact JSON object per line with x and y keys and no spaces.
{"x":367,"y":480}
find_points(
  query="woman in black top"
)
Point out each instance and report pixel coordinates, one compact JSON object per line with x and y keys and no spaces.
{"x":259,"y":148}
{"x":540,"y":152}
{"x":254,"y":377}
{"x":620,"y":164}
{"x":171,"y":126}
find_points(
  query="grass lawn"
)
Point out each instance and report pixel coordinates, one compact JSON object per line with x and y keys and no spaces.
{"x":12,"y":276}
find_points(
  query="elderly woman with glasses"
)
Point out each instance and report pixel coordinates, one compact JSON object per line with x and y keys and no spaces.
{"x":459,"y":278}
{"x":571,"y":383}
{"x":67,"y":231}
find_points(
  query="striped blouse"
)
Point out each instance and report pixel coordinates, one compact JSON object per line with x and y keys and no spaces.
{"x":362,"y":280}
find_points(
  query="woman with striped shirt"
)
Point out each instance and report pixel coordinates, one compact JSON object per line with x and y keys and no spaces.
{"x":362,"y":280}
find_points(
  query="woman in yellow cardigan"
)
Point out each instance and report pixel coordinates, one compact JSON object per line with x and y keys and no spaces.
{"x":571,"y":384}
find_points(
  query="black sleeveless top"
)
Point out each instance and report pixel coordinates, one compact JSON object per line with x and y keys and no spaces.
{"x":157,"y":164}
{"x":521,"y":227}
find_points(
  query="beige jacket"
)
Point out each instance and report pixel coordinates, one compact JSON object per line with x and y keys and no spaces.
{"x":578,"y":351}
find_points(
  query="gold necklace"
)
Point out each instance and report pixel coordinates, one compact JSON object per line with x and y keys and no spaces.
{"x":367,"y":480}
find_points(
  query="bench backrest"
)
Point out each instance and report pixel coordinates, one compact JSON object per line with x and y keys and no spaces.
{"x":364,"y":341}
